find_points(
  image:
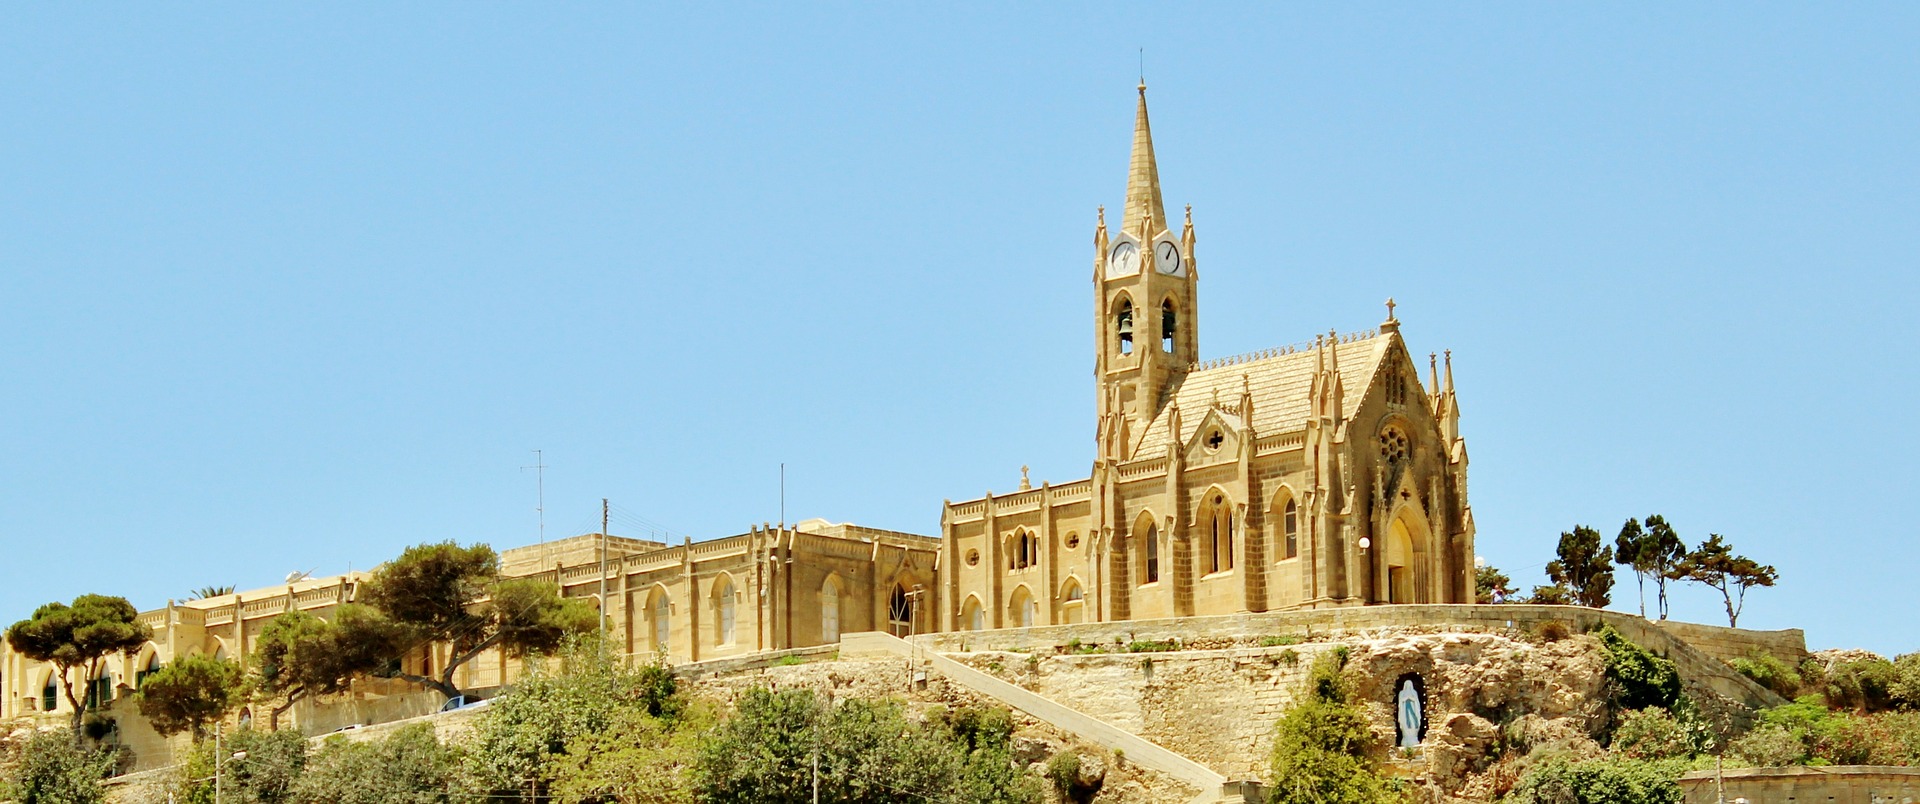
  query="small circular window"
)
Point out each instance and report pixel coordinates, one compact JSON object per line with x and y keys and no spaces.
{"x":1393,"y":446}
{"x":1215,"y":439}
{"x":1073,"y":540}
{"x":973,"y":557}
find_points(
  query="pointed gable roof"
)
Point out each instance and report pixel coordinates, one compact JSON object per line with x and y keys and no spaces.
{"x":1282,"y":388}
{"x":1143,"y":177}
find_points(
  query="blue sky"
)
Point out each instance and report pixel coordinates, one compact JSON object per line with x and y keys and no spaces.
{"x":288,"y":288}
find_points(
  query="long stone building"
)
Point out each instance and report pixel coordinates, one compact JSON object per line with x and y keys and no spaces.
{"x":1309,"y":476}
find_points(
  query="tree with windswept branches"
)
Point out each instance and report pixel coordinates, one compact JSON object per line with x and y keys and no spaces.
{"x":1628,"y":549}
{"x":79,"y":636}
{"x":1583,"y":567}
{"x":445,"y":593}
{"x":1714,"y":564}
{"x":1661,"y":550}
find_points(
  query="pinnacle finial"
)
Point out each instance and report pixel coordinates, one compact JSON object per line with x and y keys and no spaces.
{"x":1025,"y":484}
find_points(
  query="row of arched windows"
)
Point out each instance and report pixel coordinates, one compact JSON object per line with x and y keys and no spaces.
{"x":1023,"y":608}
{"x":1219,"y":527}
{"x":1123,"y":325}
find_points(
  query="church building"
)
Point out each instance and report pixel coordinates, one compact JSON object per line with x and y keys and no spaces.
{"x":1317,"y":475}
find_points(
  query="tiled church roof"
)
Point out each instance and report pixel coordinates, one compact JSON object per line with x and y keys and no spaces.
{"x":1281,"y":384}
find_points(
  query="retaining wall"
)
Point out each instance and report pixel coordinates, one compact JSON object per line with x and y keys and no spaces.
{"x":1727,"y":644}
{"x":1834,"y":784}
{"x":1694,"y":663}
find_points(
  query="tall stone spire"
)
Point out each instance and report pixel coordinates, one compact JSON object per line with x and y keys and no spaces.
{"x":1143,"y":179}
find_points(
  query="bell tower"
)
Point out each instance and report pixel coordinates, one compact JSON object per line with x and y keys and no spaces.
{"x":1146,"y":319}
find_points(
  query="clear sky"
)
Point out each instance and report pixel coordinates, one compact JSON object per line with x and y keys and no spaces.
{"x":291,"y":287}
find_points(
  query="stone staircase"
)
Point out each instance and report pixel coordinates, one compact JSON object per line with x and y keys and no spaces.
{"x":1214,"y":788}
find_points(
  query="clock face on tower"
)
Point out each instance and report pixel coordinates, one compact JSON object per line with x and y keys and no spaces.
{"x":1124,"y":260}
{"x":1166,"y":257}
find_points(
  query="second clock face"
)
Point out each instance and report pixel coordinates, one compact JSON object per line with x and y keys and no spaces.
{"x":1166,"y":257}
{"x":1125,"y":259}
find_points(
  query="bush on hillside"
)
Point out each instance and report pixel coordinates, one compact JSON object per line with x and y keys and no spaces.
{"x":866,"y":751}
{"x":1604,"y":781}
{"x":409,"y":765}
{"x":1768,"y":671}
{"x":51,"y":767}
{"x":1652,"y":734}
{"x":1865,"y":685}
{"x":1640,"y":678}
{"x":1319,"y":746}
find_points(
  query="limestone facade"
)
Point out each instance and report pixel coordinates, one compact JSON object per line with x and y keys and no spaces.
{"x":1311,"y":476}
{"x":768,"y":589}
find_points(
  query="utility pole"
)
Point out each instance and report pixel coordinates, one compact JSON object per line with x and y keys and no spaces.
{"x":540,"y":488}
{"x":603,"y":574}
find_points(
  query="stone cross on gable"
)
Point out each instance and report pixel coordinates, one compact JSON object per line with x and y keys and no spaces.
{"x":1390,"y":306}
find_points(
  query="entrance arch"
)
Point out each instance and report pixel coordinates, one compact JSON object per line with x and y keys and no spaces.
{"x":1021,"y":608}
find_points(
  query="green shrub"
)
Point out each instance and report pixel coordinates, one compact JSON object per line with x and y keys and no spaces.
{"x":54,"y":769}
{"x":1905,"y":686}
{"x":1152,"y":646}
{"x":1605,"y":781}
{"x":1063,"y":772}
{"x":1319,"y":746}
{"x":1769,"y":746}
{"x":1279,"y":641}
{"x":789,"y":660}
{"x":1863,"y":686}
{"x":409,"y":765}
{"x":273,"y":764}
{"x":1652,"y":734}
{"x":1768,"y":671}
{"x":1640,"y":678}
{"x":867,"y":752}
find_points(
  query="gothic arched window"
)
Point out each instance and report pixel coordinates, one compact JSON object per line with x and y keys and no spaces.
{"x":1151,"y":544}
{"x":1220,"y":535}
{"x":1169,"y":324}
{"x":1290,"y":526}
{"x":1123,"y":326}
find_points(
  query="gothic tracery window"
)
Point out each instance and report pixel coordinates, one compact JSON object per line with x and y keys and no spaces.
{"x":1393,"y":445}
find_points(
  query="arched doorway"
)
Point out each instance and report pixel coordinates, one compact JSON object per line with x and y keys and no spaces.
{"x":723,"y":609}
{"x":1022,"y":609}
{"x":973,"y":616}
{"x":1073,"y":602}
{"x":900,"y":611}
{"x":1399,"y":563}
{"x":659,"y":611}
{"x":830,"y":611}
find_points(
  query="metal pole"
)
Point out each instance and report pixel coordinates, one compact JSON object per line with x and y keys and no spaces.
{"x":603,"y":574}
{"x":218,"y":754}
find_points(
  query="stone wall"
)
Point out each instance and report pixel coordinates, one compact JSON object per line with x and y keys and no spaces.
{"x":1698,"y":665}
{"x":1727,"y":644}
{"x":1835,"y":784}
